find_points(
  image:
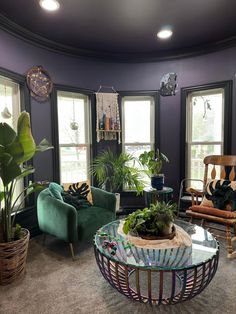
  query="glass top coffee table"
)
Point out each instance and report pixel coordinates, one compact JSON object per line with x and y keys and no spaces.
{"x":157,"y":276}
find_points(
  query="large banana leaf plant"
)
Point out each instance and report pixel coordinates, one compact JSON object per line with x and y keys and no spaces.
{"x":16,"y":148}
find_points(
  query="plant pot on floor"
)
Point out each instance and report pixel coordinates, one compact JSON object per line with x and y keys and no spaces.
{"x":157,"y":181}
{"x":13,"y":258}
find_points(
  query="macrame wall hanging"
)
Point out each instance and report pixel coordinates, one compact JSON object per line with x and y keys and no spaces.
{"x":108,"y":117}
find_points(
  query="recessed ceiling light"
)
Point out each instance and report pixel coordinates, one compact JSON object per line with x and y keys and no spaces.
{"x":164,"y":34}
{"x":49,"y":5}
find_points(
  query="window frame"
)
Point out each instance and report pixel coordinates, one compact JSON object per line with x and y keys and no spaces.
{"x":25,"y":104}
{"x":55,"y":130}
{"x":227,"y":118}
{"x":156,"y":127}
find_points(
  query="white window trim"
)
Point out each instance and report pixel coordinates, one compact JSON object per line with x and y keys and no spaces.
{"x":87,"y":125}
{"x":189,"y":116}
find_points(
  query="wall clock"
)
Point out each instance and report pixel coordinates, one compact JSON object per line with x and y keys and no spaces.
{"x":168,"y":84}
{"x":39,"y":83}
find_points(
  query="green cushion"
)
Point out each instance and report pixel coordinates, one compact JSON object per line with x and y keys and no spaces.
{"x":56,"y":190}
{"x":91,"y":219}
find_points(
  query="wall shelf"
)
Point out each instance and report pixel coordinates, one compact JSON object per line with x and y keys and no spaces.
{"x":108,"y":131}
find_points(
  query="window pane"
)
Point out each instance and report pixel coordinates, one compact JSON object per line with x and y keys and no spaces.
{"x":71,"y":120}
{"x":9,"y":113}
{"x":136,"y":151}
{"x":198,"y":153}
{"x":73,"y":164}
{"x":74,"y":140}
{"x":137,"y":122}
{"x":205,"y":125}
{"x":207,"y":117}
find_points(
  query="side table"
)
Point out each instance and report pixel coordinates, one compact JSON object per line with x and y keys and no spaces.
{"x":152,"y":196}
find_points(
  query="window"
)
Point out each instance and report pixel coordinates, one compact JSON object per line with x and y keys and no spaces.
{"x":9,"y":113}
{"x":205,"y":128}
{"x":138,"y":119}
{"x":74,"y":138}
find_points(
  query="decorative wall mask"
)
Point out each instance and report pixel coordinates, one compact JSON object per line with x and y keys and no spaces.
{"x":39,"y":83}
{"x":168,"y":84}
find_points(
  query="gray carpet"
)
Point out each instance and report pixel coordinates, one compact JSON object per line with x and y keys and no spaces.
{"x":55,"y":284}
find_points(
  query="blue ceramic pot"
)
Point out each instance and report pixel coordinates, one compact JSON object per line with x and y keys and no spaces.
{"x":157,"y":182}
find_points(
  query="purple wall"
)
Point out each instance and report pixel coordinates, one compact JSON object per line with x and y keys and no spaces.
{"x":19,"y":56}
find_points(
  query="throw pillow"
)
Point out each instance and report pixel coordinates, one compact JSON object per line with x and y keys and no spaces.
{"x":56,"y":190}
{"x":87,"y":182}
{"x":220,"y":194}
{"x":76,"y":195}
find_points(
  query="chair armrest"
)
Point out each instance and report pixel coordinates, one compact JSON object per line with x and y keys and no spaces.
{"x":103,"y":199}
{"x":195,"y":194}
{"x":57,"y":218}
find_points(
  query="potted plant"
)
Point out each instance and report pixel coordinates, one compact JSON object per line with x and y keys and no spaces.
{"x":113,"y":171}
{"x":15,"y":150}
{"x":153,"y":162}
{"x":155,"y":222}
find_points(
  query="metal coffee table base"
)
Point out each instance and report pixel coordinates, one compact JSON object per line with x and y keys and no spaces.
{"x":157,"y":286}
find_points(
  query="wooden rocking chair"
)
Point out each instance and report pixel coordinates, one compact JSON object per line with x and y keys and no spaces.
{"x":205,"y":213}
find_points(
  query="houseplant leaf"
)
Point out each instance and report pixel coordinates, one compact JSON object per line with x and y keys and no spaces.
{"x":9,"y":169}
{"x":7,"y":134}
{"x":25,"y":137}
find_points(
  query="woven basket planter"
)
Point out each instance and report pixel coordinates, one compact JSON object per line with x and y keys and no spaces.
{"x":13,"y":258}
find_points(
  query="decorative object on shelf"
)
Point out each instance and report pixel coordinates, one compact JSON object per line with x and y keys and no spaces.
{"x":6,"y":113}
{"x":153,"y":162}
{"x":168,"y":84}
{"x":153,"y":223}
{"x":108,"y":116}
{"x":39,"y":83}
{"x":16,"y":149}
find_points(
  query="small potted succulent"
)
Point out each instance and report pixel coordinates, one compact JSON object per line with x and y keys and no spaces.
{"x":153,"y":162}
{"x":155,"y":222}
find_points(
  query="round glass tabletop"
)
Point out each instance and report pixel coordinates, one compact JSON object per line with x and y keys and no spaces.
{"x":116,"y":248}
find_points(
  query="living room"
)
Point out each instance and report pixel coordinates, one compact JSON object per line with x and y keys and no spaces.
{"x":82,"y":61}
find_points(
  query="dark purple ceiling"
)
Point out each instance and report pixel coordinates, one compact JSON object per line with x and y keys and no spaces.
{"x":125,"y":29}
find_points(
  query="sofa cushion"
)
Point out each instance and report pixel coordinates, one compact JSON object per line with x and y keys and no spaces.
{"x":213,"y":211}
{"x":91,"y":219}
{"x":75,"y":201}
{"x":87,"y":182}
{"x":56,"y":190}
{"x":220,"y":194}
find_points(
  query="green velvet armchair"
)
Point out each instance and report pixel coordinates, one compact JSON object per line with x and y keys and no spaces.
{"x":63,"y":221}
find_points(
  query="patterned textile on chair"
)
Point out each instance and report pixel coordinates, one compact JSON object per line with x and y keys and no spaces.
{"x":220,"y":194}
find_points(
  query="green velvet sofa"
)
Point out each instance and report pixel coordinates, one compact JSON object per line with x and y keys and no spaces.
{"x":57,"y":218}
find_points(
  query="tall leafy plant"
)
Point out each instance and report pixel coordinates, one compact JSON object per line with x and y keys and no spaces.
{"x":153,"y":162}
{"x":112,"y":172}
{"x":16,"y":148}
